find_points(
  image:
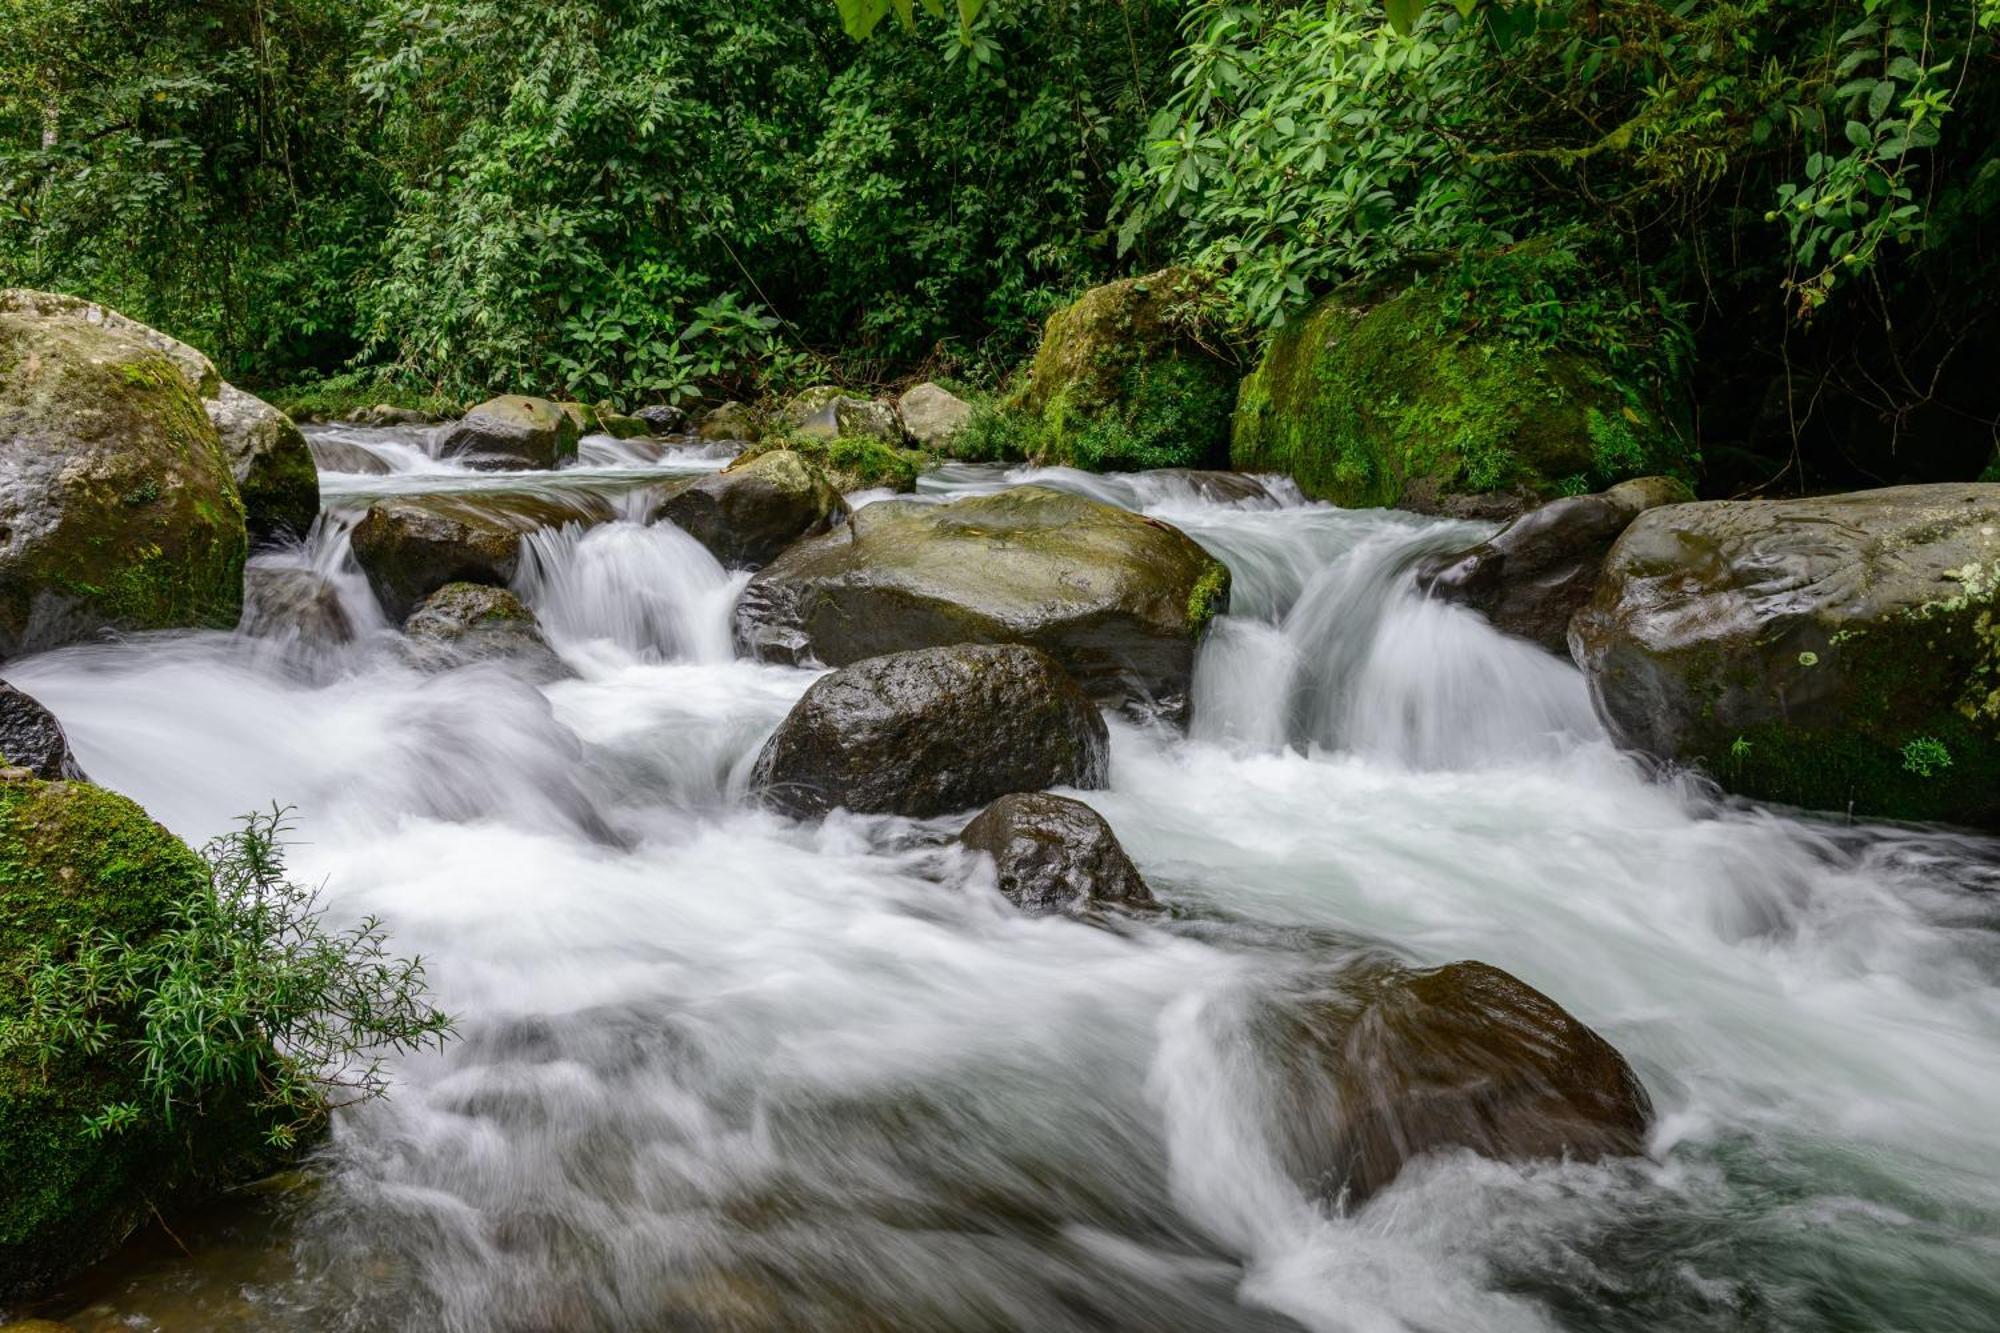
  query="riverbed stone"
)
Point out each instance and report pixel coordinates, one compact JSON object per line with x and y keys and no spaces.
{"x":292,"y":603}
{"x":462,"y":623}
{"x":1055,"y":854}
{"x":1388,"y":1063}
{"x":411,"y":547}
{"x":117,"y":504}
{"x":933,"y":415}
{"x":511,"y":433}
{"x":31,"y":738}
{"x":748,"y":514}
{"x":1529,"y":578}
{"x":932,"y":731}
{"x":1839,"y":653}
{"x":663,"y":419}
{"x":731,"y":421}
{"x":271,"y":462}
{"x":1119,"y":599}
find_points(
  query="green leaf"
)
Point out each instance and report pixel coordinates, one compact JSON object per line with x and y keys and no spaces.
{"x":1403,"y":14}
{"x":859,"y":17}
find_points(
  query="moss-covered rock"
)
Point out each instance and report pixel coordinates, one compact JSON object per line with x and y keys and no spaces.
{"x":746,"y":515}
{"x":512,"y":433}
{"x":271,"y":462}
{"x":117,"y":503}
{"x":462,"y":623}
{"x":731,"y":421}
{"x":1840,"y":653}
{"x":1119,"y":599}
{"x":850,"y":463}
{"x":1382,"y":396}
{"x":75,"y":859}
{"x":1123,"y":380}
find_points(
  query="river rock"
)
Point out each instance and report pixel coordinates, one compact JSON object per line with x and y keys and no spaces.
{"x":1538,"y":571}
{"x":621,"y":427}
{"x":845,"y":418}
{"x":1840,"y":653}
{"x":31,"y":738}
{"x":409,"y":548}
{"x":662,"y":419}
{"x":932,"y":415}
{"x":388,"y":414}
{"x":462,"y":623}
{"x":331,"y":454}
{"x":77,"y":859}
{"x":287,"y":602}
{"x":732,"y":421}
{"x":117,"y":504}
{"x":1054,"y":854}
{"x":748,"y":514}
{"x":511,"y":433}
{"x":929,"y":732}
{"x":273,"y":466}
{"x":1389,"y":1063}
{"x":1119,"y":599}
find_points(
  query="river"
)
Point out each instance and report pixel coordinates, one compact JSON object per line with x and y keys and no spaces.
{"x":721,"y":1070}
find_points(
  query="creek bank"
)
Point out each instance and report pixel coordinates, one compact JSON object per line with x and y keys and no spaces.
{"x":1119,"y":599}
{"x":933,"y":731}
{"x":1840,"y":653}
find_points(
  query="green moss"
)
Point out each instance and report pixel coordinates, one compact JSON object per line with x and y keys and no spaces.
{"x":852,"y":462}
{"x":338,"y":397}
{"x":1209,"y":598}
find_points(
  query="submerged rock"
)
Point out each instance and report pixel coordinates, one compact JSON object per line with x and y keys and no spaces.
{"x":511,"y":434}
{"x":409,"y":548}
{"x":117,"y":505}
{"x":933,"y":415}
{"x":1120,"y":600}
{"x":1054,"y":854}
{"x":274,"y":468}
{"x":929,"y":732}
{"x":1538,"y":571}
{"x":31,"y":738}
{"x":1389,"y":1064}
{"x":748,"y":514}
{"x":1841,"y":653}
{"x":462,"y":623}
{"x":284,"y":602}
{"x":77,"y":859}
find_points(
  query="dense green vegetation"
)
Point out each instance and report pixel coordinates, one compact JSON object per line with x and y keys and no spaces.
{"x":1776,"y":218}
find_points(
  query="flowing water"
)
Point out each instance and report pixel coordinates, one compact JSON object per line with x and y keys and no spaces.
{"x":720,"y":1070}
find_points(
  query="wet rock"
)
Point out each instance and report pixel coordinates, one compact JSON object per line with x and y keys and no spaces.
{"x":285,"y":602}
{"x":31,"y":738}
{"x":583,"y":414}
{"x":388,"y":414}
{"x":336,"y":455}
{"x":732,"y":421}
{"x":1538,"y":571}
{"x":117,"y":506}
{"x":409,"y":548}
{"x":929,"y":732}
{"x":621,"y":427}
{"x":462,"y":623}
{"x":511,"y":434}
{"x":750,"y":513}
{"x":1388,"y":1064}
{"x":932,"y":415}
{"x":271,"y":462}
{"x":1120,"y":600}
{"x":1054,"y":854}
{"x":661,"y":419}
{"x":1218,"y":487}
{"x":1840,"y":653}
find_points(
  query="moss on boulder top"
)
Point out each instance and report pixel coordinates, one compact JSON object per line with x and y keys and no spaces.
{"x":1123,"y":380}
{"x":1383,"y":395}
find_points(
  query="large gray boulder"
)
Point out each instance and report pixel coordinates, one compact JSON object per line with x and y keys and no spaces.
{"x":1530,"y":577}
{"x":117,"y":504}
{"x":1055,"y":854}
{"x":32,"y":739}
{"x":748,"y":514}
{"x":510,"y":434}
{"x":932,"y":416}
{"x":1386,"y":1064}
{"x":271,"y":462}
{"x":1840,"y":653}
{"x":1119,"y":599}
{"x":929,"y":732}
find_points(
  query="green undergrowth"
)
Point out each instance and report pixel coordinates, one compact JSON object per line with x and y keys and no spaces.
{"x":338,"y":397}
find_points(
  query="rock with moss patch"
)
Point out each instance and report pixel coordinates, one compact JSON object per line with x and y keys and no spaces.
{"x":1382,"y":1064}
{"x":409,"y":548}
{"x":1125,"y":378}
{"x":1055,"y":854}
{"x":621,"y":427}
{"x":1840,"y":653}
{"x":463,"y":623}
{"x":74,"y":860}
{"x":748,"y":514}
{"x":929,"y":732}
{"x":731,"y":421}
{"x":117,"y":504}
{"x":511,"y":434}
{"x":826,"y":413}
{"x":1378,"y":396}
{"x":273,"y":466}
{"x":1119,"y":599}
{"x":1538,"y":571}
{"x":933,"y":416}
{"x":31,"y":738}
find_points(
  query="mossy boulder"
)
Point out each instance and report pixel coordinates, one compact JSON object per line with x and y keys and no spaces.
{"x":117,"y":503}
{"x":850,"y":463}
{"x":1119,"y":599}
{"x":273,"y":465}
{"x":75,"y":860}
{"x":1381,"y":396}
{"x":1840,"y":653}
{"x":746,"y":515}
{"x":463,"y":623}
{"x":731,"y":421}
{"x":1125,"y":379}
{"x":621,"y":427}
{"x":1055,"y":854}
{"x":512,"y":433}
{"x":928,"y":732}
